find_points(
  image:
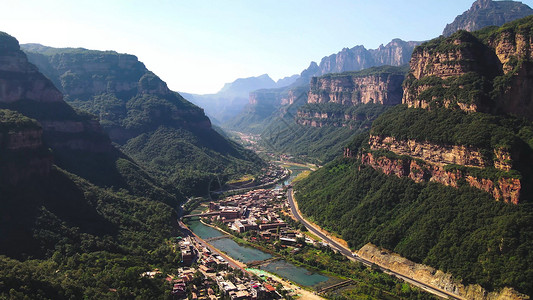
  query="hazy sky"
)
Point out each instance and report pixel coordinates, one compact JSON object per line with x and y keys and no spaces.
{"x":198,"y":45}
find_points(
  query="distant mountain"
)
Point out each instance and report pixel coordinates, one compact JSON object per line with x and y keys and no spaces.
{"x":485,"y":13}
{"x":154,"y":125}
{"x":263,"y":103}
{"x":232,"y":98}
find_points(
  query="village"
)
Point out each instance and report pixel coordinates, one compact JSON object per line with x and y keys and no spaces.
{"x":258,"y":216}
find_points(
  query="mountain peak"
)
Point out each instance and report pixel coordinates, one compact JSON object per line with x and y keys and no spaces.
{"x":485,"y":13}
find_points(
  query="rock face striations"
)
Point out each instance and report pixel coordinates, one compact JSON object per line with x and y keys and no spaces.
{"x":459,"y":91}
{"x":79,"y":144}
{"x":22,"y":152}
{"x":380,"y":85}
{"x":395,"y":53}
{"x":488,"y":71}
{"x":25,"y":89}
{"x":485,"y":13}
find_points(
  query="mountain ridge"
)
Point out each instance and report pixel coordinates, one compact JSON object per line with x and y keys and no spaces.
{"x":138,"y":110}
{"x":485,"y":13}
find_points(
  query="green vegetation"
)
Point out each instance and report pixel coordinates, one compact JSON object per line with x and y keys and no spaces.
{"x":67,"y":238}
{"x":14,"y":121}
{"x":381,"y":70}
{"x":163,"y":132}
{"x":462,"y":231}
{"x":452,"y":127}
{"x":470,"y":88}
{"x":320,"y":144}
{"x":368,"y":282}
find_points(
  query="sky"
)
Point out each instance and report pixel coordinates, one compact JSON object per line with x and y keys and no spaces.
{"x":198,"y":45}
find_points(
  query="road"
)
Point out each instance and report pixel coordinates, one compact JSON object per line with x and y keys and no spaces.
{"x":348,"y":253}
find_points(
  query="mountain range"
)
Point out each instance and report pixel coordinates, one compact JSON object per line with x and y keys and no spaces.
{"x":443,"y":179}
{"x":160,"y":129}
{"x":232,"y":98}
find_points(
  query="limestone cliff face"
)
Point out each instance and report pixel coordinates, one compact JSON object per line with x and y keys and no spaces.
{"x":22,"y":152}
{"x":24,"y":88}
{"x":485,"y":73}
{"x":81,"y":73}
{"x":443,"y":154}
{"x":21,"y":80}
{"x":485,"y":13}
{"x":395,"y":53}
{"x":128,"y":98}
{"x":351,"y":89}
{"x":439,"y":72}
{"x":502,"y":189}
{"x":431,"y":276}
{"x":23,"y":155}
{"x":321,"y":119}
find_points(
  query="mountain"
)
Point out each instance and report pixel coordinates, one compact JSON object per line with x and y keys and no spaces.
{"x":339,"y":106}
{"x":232,"y":98}
{"x":264,"y":103}
{"x":77,"y":216}
{"x":444,"y":179}
{"x":80,"y":145}
{"x":167,"y":134}
{"x":485,"y":13}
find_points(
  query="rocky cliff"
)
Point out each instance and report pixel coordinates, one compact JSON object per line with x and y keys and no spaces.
{"x":22,"y":152}
{"x":485,"y":13}
{"x":503,"y":187}
{"x":382,"y":85}
{"x":429,"y":275}
{"x":150,"y":123}
{"x":486,"y":71}
{"x":395,"y":53}
{"x":25,"y":89}
{"x":105,"y":83}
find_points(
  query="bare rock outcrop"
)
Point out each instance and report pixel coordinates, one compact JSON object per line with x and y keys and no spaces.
{"x":433,"y":277}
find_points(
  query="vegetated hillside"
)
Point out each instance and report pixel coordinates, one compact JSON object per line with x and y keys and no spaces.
{"x":61,"y":236}
{"x":79,"y":144}
{"x":445,"y":179}
{"x":267,"y":106}
{"x":265,"y":103}
{"x":462,"y":231}
{"x":339,"y":106}
{"x":485,"y":13}
{"x":322,"y":138}
{"x":159,"y":128}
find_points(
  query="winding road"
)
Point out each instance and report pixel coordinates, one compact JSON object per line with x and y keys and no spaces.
{"x":352,"y":256}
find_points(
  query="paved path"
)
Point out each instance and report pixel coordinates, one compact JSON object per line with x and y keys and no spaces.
{"x":348,"y":253}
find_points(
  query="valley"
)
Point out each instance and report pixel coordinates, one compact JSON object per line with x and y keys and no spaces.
{"x":398,"y":171}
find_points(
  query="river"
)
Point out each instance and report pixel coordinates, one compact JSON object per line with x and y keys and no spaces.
{"x":247,"y":254}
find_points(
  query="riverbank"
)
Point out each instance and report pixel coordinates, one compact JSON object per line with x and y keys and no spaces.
{"x":300,"y":292}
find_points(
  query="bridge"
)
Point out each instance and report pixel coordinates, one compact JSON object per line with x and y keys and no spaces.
{"x":256,"y":263}
{"x":217,"y":238}
{"x":214,"y":213}
{"x":335,"y":286}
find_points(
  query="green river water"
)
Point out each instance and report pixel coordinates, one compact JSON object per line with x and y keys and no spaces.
{"x":245,"y":254}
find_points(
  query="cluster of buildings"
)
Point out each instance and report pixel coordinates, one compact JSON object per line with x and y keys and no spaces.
{"x":272,"y":174}
{"x":215,"y":272}
{"x":254,"y":210}
{"x":258,"y":211}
